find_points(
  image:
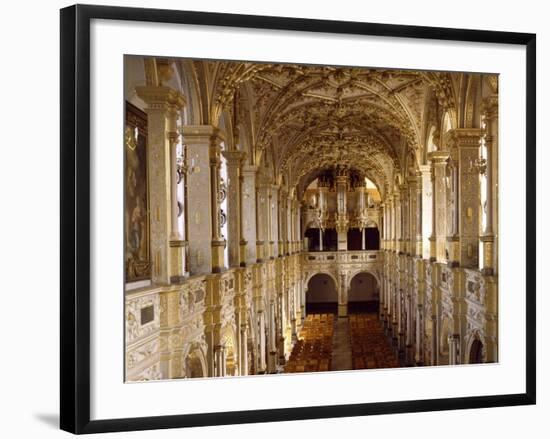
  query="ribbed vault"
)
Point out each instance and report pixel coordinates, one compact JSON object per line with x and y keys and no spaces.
{"x":309,"y":117}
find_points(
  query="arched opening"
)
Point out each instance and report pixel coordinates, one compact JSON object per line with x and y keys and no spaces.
{"x":231,"y":360}
{"x":194,"y":366}
{"x":313,"y":239}
{"x":372,"y":238}
{"x":322,"y":295}
{"x":330,"y":240}
{"x":355,"y":239}
{"x":476,"y":352}
{"x":363,"y":293}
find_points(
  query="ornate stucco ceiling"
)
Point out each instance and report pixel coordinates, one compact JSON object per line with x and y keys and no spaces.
{"x":312,"y":117}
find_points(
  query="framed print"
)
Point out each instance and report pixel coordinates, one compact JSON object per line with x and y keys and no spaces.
{"x":304,"y":218}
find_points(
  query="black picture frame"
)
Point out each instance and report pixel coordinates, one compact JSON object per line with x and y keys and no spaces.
{"x":75,"y":217}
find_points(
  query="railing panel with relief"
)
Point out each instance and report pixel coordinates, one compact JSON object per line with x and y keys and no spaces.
{"x":142,"y":314}
{"x":343,"y":257}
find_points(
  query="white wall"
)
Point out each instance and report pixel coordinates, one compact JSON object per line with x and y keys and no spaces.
{"x":30,"y":220}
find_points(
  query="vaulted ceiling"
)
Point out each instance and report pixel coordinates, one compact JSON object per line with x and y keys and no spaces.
{"x":306,"y":118}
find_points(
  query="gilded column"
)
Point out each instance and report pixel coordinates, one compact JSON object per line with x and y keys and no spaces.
{"x":261,"y":200}
{"x":404,"y":211}
{"x":437,"y":241}
{"x":243,"y":360}
{"x":342,"y":180}
{"x":384,"y":226}
{"x":218,"y":241}
{"x":466,"y":150}
{"x":397,"y":218}
{"x":199,"y":226}
{"x":163,"y":104}
{"x":412,"y":216}
{"x":289,"y":224}
{"x":234,"y":203}
{"x":426,"y":188}
{"x":249,"y":212}
{"x":490,"y":119}
{"x":417,"y":237}
{"x":262,"y":345}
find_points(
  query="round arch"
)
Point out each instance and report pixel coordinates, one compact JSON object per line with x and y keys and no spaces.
{"x":363,"y":293}
{"x":314,"y":273}
{"x":229,"y":342}
{"x":475,"y":349}
{"x":321,"y":294}
{"x":195,"y":362}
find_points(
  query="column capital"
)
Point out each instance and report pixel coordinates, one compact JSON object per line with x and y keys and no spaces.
{"x":463,"y":137}
{"x":249,"y":170}
{"x":424,"y":169}
{"x":412,"y":180}
{"x":234,"y":158}
{"x":161,"y":97}
{"x":207,"y":135}
{"x":489,"y":107}
{"x":438,"y":157}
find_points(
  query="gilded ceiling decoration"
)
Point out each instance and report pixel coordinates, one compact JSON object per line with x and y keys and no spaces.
{"x":370,"y":117}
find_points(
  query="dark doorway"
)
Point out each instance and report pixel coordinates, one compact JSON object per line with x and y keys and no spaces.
{"x":312,"y":235}
{"x":330,"y":240}
{"x":321,"y":295}
{"x":372,"y":237}
{"x":476,"y":352}
{"x":363,"y":293}
{"x":354,"y":239}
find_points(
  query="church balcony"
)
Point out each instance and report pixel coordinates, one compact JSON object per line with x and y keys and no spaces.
{"x":343,"y":256}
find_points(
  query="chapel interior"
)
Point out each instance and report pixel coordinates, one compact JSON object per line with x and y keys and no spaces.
{"x":284,"y":218}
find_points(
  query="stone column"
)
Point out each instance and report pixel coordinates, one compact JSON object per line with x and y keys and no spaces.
{"x":383,"y":231}
{"x":454,"y":349}
{"x":434,"y":360}
{"x":465,"y":143}
{"x":262,"y":360}
{"x":218,"y":242}
{"x":417,"y":215}
{"x":261,"y":222}
{"x":398,"y":218}
{"x":220,"y":360}
{"x":234,"y":200}
{"x":272,"y":361}
{"x":177,"y":243}
{"x":281,"y":221}
{"x":269,"y":222}
{"x":405,"y":229}
{"x":163,"y":103}
{"x":419,"y":351}
{"x":391,"y":223}
{"x":490,"y":119}
{"x":248,"y":212}
{"x":343,"y":295}
{"x":425,"y":186}
{"x":413,"y":216}
{"x":201,"y":195}
{"x":281,"y":332}
{"x":288,"y":229}
{"x":342,"y":179}
{"x":243,"y":360}
{"x":439,"y":230}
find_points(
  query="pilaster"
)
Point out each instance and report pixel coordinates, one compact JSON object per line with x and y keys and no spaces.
{"x":163,"y":104}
